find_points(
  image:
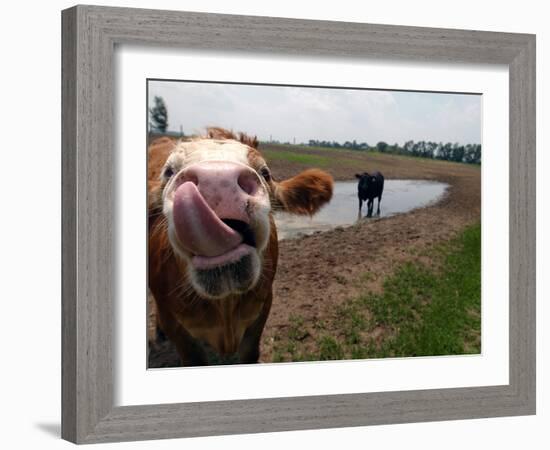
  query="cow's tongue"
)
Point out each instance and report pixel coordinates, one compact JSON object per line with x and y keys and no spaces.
{"x":199,"y":229}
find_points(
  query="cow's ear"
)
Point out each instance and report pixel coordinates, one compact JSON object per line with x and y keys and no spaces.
{"x":305,"y":193}
{"x":358,"y":176}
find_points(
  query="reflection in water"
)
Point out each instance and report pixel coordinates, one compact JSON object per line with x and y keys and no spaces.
{"x":399,"y":196}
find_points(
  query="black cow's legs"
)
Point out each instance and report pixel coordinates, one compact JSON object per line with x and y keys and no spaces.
{"x":370,"y":205}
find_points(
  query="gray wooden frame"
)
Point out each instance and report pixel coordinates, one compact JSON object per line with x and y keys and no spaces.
{"x":90,"y":34}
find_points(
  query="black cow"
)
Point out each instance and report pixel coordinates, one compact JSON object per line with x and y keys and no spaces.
{"x":370,"y":186}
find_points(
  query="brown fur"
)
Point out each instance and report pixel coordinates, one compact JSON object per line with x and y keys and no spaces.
{"x":157,"y":153}
{"x":305,"y":193}
{"x":222,"y":133}
{"x":234,"y":324}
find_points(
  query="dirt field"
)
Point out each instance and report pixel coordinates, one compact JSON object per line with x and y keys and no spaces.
{"x":312,"y":282}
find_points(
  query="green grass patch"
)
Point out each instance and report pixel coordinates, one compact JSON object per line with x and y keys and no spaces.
{"x":299,"y":158}
{"x":421,"y":311}
{"x":330,"y":349}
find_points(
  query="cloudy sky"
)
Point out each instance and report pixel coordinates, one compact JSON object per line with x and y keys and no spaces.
{"x":288,"y":113}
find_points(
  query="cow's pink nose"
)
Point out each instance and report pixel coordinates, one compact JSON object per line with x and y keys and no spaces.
{"x":226,"y":186}
{"x":222,"y":175}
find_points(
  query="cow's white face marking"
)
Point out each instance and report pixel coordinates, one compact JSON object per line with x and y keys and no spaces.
{"x":188,"y":153}
{"x":217,"y":173}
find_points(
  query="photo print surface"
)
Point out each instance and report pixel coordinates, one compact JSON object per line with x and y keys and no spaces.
{"x":298,"y":223}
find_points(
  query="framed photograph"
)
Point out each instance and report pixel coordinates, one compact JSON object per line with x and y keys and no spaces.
{"x":267,"y":229}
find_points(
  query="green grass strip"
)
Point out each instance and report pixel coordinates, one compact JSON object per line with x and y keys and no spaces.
{"x":300,"y":158}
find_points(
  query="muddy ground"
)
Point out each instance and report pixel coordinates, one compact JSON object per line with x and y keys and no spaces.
{"x":317,"y":273}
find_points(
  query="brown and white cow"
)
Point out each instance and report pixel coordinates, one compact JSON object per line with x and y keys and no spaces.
{"x":213,"y":242}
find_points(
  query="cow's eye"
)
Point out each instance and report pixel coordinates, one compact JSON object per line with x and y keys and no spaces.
{"x":168,"y":172}
{"x":264,"y":172}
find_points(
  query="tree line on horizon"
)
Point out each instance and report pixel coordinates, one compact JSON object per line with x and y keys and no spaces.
{"x":468,"y":153}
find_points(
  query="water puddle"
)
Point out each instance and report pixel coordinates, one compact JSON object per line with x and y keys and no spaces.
{"x":400,"y":196}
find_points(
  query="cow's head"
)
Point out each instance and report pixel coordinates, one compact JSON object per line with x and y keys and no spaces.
{"x":365,"y":179}
{"x":217,"y":195}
